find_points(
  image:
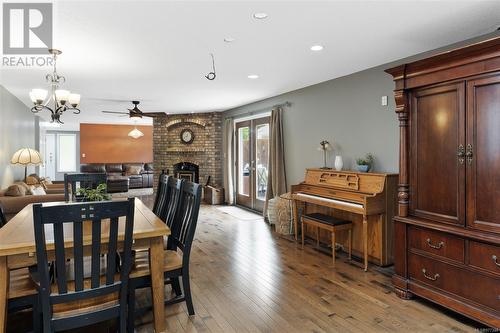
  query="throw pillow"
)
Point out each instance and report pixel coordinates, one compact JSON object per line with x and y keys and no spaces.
{"x":38,"y":191}
{"x":133,"y":170}
{"x":24,"y":185}
{"x":15,"y":190}
{"x":30,"y":180}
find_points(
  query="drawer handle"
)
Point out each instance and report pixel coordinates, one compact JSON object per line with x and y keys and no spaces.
{"x":428,"y":277}
{"x":495,"y":260}
{"x":437,"y":247}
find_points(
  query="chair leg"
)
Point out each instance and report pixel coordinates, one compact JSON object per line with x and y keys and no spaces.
{"x":131,"y":309}
{"x":333,"y":247}
{"x":187,"y":292}
{"x":176,"y":286}
{"x":350,"y":244}
{"x":302,"y":234}
{"x":37,"y":317}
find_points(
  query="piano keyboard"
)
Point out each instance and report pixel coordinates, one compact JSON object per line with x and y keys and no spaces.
{"x":338,"y":202}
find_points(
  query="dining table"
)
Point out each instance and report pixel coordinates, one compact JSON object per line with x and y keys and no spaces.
{"x":17,"y":250}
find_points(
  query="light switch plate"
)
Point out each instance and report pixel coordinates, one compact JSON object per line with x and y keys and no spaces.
{"x":83,"y":155}
{"x":384,"y":100}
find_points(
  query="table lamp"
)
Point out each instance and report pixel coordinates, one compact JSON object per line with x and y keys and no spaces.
{"x":26,"y":156}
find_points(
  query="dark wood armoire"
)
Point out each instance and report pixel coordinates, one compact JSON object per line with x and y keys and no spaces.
{"x":447,"y":232}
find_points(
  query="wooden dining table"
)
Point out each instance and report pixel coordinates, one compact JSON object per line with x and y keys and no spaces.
{"x":17,"y":250}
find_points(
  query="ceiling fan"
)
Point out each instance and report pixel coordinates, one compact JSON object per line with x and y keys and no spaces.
{"x":136,"y":113}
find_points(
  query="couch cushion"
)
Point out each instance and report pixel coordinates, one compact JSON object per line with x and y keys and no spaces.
{"x":13,"y":205}
{"x":114,"y":168}
{"x":93,"y":168}
{"x":31,"y":180}
{"x":133,"y":169}
{"x":148,"y":167}
{"x":15,"y":190}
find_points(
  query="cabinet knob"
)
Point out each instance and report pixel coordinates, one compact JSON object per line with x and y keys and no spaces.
{"x":495,"y":260}
{"x":461,"y":154}
{"x":428,"y":277}
{"x":469,"y":154}
{"x":437,"y":247}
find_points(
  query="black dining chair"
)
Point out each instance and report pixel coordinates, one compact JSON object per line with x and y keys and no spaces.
{"x":176,"y":264}
{"x":161,"y":194}
{"x":73,"y":181}
{"x":68,"y":304}
{"x":3,"y":219}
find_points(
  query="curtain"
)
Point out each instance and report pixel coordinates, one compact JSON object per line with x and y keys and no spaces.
{"x":276,"y":180}
{"x":228,"y":161}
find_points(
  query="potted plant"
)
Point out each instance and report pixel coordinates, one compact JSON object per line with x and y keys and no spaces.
{"x":365,"y":164}
{"x":90,"y":194}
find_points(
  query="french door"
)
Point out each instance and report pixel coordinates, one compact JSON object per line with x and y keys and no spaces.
{"x":252,"y":162}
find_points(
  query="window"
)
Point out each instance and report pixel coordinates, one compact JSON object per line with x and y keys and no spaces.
{"x":66,"y":152}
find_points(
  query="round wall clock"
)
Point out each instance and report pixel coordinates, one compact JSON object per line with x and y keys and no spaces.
{"x":187,"y":136}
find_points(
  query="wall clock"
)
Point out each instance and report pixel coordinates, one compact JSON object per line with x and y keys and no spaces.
{"x":187,"y":136}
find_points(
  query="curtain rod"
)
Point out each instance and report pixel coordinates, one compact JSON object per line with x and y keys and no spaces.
{"x":262,"y":110}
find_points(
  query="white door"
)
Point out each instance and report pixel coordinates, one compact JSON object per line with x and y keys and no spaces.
{"x":50,"y":156}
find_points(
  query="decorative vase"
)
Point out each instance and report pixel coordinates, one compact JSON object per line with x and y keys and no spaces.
{"x":362,"y":168}
{"x":338,"y":163}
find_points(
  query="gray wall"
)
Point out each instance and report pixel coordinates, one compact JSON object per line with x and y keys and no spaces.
{"x":347,"y":112}
{"x":17,"y":130}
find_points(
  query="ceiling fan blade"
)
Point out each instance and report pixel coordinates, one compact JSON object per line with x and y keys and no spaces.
{"x":115,"y":112}
{"x":154,"y":114}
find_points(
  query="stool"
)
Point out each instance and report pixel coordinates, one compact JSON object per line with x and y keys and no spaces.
{"x":330,"y":223}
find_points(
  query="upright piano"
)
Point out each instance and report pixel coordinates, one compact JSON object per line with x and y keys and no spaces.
{"x":366,"y":199}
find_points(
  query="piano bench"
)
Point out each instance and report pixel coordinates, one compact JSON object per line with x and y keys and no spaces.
{"x":330,"y":223}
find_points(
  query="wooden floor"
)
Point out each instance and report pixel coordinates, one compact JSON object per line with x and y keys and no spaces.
{"x":245,"y":278}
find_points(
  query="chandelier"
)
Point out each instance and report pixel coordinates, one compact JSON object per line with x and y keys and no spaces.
{"x":63,"y":99}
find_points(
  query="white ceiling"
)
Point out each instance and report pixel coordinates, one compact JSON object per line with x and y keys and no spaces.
{"x":158,"y":52}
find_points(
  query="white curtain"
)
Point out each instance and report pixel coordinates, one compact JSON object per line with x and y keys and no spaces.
{"x":228,"y":160}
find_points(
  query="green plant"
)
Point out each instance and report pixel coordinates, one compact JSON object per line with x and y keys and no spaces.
{"x":367,"y":160}
{"x":97,"y":194}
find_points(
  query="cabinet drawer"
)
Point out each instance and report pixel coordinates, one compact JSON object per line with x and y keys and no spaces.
{"x":437,"y":243}
{"x":476,"y":287}
{"x":484,"y":256}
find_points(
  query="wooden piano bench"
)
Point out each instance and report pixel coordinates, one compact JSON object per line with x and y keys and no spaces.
{"x":330,"y":223}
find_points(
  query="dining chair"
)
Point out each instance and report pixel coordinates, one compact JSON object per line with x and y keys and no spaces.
{"x":71,"y":303}
{"x":84,"y":180}
{"x":3,"y":219}
{"x":161,"y":194}
{"x":176,"y":264}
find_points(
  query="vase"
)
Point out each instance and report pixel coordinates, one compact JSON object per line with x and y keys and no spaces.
{"x":338,"y":163}
{"x":363,"y":168}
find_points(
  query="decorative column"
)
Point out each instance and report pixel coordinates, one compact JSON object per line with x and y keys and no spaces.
{"x":403,"y":188}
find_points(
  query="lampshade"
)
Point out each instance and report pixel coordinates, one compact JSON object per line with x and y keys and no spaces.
{"x":62,"y":95}
{"x":38,"y":95}
{"x":26,"y":156}
{"x":135,"y":133}
{"x":74,"y":99}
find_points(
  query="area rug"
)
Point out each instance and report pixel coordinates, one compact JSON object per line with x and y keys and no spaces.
{"x":133,"y":192}
{"x":239,"y":213}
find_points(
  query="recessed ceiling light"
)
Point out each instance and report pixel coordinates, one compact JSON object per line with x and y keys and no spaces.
{"x":229,"y":39}
{"x":253,"y":76}
{"x":316,"y":48}
{"x":260,"y":16}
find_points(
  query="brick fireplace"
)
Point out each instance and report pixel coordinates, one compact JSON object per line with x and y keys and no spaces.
{"x":201,"y":159}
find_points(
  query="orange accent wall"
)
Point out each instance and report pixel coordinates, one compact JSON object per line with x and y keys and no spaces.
{"x":101,"y":143}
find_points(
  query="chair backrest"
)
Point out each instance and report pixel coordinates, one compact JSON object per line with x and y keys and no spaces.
{"x":85,"y":180}
{"x":161,"y":199}
{"x":3,"y":219}
{"x":86,"y":223}
{"x":186,"y":219}
{"x":174,"y":186}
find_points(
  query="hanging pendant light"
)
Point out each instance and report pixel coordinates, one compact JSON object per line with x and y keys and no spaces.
{"x":135,"y":133}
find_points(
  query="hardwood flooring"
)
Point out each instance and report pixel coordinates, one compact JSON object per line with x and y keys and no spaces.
{"x":245,"y":278}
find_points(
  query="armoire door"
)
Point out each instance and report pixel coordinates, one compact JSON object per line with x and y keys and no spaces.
{"x":483,"y":150}
{"x":437,"y":170}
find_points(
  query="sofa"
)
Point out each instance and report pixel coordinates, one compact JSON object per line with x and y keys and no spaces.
{"x":140,"y":175}
{"x":14,"y":204}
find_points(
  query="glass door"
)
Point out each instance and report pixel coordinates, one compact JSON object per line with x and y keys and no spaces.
{"x":252,"y":162}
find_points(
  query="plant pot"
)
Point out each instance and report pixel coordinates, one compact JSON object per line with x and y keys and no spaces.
{"x":362,"y":168}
